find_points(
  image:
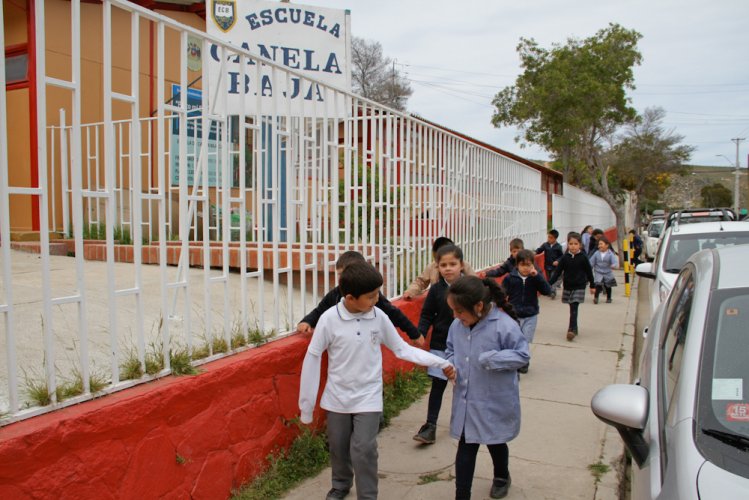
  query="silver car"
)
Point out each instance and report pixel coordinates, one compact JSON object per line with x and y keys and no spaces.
{"x":678,"y":243}
{"x":686,"y":420}
{"x":651,"y":237}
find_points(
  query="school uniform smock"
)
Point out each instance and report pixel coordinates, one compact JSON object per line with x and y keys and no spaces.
{"x":353,"y":342}
{"x":486,"y":399}
{"x":602,"y":264}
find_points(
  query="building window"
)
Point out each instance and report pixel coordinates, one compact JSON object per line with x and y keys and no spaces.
{"x":17,"y":66}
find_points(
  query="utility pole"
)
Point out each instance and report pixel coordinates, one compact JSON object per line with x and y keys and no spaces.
{"x":736,"y":198}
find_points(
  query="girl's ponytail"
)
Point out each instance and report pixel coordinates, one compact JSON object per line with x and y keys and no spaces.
{"x":499,"y":297}
{"x":468,"y":291}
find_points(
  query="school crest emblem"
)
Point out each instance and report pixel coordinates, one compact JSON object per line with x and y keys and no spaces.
{"x":224,"y":14}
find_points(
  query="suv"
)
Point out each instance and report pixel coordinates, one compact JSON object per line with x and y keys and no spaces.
{"x":691,"y":215}
{"x":652,"y":236}
{"x":686,"y":420}
{"x":678,"y":243}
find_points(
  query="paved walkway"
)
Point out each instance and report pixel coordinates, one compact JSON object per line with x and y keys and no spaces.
{"x":559,"y":438}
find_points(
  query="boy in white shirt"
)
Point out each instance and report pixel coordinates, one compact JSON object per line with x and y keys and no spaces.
{"x":352,"y":333}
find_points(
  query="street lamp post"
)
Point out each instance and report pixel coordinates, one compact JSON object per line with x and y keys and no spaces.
{"x":735,"y":182}
{"x":737,"y":200}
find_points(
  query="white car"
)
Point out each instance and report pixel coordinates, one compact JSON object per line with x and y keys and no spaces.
{"x":681,"y":241}
{"x":685,"y":420}
{"x":651,"y":237}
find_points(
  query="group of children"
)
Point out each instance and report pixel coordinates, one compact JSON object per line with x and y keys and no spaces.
{"x":480,"y":337}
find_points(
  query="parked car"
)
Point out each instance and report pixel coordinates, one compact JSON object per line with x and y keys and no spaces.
{"x":692,"y":215}
{"x":651,"y":237}
{"x":685,"y":420}
{"x":681,"y":241}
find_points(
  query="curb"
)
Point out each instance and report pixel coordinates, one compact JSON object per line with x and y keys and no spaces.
{"x":613,"y":451}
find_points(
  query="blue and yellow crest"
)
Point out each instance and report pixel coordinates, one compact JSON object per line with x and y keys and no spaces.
{"x":224,"y":14}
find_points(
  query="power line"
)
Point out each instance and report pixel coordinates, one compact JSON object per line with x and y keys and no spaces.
{"x":452,"y":93}
{"x":454,"y":70}
{"x":674,"y":85}
{"x":446,"y":87}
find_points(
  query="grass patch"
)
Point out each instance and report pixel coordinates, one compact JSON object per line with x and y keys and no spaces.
{"x":306,"y":457}
{"x":37,"y":391}
{"x":154,"y":361}
{"x":201,"y":352}
{"x":74,"y":387}
{"x":308,"y":454}
{"x":429,"y":478}
{"x":180,"y":362}
{"x":402,"y":391}
{"x":94,"y":231}
{"x":130,"y":369}
{"x":238,"y":340}
{"x":180,"y":459}
{"x":598,"y":470}
{"x":219,"y":344}
{"x":256,"y":336}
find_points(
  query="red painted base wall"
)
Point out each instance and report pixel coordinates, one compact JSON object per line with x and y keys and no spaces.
{"x":222,"y":424}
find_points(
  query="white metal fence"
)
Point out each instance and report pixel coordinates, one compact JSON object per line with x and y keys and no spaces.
{"x":242,"y":225}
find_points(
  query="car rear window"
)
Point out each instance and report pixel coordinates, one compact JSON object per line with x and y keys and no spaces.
{"x":655,"y":228}
{"x":684,"y":246}
{"x":723,"y":400}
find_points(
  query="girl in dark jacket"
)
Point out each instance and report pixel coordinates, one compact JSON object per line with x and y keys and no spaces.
{"x":436,"y":314}
{"x":577,"y":273}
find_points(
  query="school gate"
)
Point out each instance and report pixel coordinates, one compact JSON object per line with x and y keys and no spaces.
{"x":175,"y":228}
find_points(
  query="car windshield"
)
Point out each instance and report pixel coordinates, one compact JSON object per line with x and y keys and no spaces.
{"x":681,"y":247}
{"x":723,"y":400}
{"x":655,"y":228}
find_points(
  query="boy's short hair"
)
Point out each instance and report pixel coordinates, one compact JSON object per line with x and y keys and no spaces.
{"x":596,"y":232}
{"x":359,"y":278}
{"x":449,"y":250}
{"x":348,"y":258}
{"x":441,"y":242}
{"x":554,"y":233}
{"x":517,"y":243}
{"x":525,"y":255}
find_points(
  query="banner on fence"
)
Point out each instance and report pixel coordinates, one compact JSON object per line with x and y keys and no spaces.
{"x":195,"y":139}
{"x":310,"y":40}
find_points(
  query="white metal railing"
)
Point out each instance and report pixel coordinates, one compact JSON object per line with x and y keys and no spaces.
{"x":244,"y":212}
{"x":577,"y":209}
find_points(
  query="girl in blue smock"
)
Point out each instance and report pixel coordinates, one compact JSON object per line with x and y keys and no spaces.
{"x":487,"y":347}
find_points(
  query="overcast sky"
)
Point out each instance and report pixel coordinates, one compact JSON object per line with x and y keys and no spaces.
{"x":457,"y":55}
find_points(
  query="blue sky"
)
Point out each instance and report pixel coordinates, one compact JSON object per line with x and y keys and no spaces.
{"x":459,"y":54}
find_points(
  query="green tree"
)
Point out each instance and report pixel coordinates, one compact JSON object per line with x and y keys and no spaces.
{"x":645,"y":157}
{"x":716,"y":195}
{"x":570,"y":99}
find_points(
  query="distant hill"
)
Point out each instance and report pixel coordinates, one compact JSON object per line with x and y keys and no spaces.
{"x":684,"y":191}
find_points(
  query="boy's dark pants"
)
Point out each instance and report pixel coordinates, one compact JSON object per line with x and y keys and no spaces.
{"x":352,"y":438}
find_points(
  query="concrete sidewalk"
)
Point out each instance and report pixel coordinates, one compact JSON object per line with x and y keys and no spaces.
{"x":559,"y":437}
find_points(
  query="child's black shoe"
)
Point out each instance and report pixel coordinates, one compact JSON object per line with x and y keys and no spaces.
{"x":427,"y":434}
{"x":336,"y":494}
{"x":500,"y":487}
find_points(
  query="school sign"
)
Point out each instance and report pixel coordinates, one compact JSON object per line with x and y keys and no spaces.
{"x":313,"y":41}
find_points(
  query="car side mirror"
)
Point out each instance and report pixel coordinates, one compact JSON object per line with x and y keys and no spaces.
{"x":645,"y":270}
{"x":625,"y":407}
